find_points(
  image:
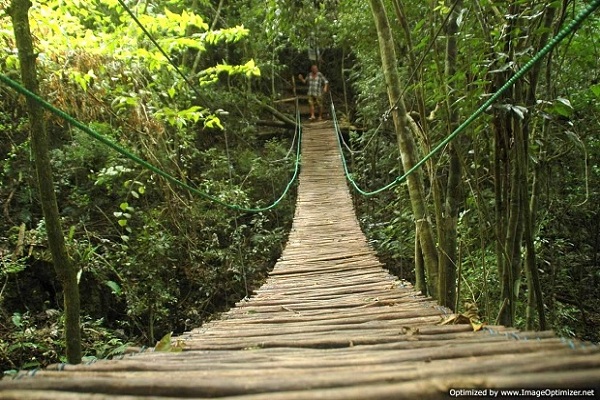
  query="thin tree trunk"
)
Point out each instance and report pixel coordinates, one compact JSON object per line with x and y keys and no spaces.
{"x":421,"y":133}
{"x":406,"y":143}
{"x":514,"y":232}
{"x":344,"y":88}
{"x":66,"y":272}
{"x":420,"y":279}
{"x":521,"y":214}
{"x":448,"y":225}
{"x":509,"y":169}
{"x":412,"y":62}
{"x":535,"y":295}
{"x":189,"y":30}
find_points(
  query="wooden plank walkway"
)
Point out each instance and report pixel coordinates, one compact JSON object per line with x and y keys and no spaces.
{"x":330,"y":323}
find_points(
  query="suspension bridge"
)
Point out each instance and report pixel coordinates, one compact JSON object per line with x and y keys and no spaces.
{"x":330,"y":323}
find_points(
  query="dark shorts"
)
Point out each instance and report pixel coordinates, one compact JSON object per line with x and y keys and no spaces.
{"x":318,"y":100}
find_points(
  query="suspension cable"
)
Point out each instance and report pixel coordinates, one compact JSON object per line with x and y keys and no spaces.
{"x":145,"y":164}
{"x":572,"y":26}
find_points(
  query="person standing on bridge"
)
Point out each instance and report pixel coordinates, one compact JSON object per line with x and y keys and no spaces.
{"x":317,"y":85}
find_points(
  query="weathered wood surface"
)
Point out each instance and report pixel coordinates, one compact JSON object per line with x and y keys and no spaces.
{"x":330,"y":323}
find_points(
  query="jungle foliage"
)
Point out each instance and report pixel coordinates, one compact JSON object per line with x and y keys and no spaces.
{"x":153,"y":258}
{"x":528,"y":174}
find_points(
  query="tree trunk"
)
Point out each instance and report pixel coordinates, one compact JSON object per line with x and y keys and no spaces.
{"x":420,"y":280}
{"x":511,"y":277}
{"x":535,"y":297}
{"x":508,"y":189}
{"x":520,"y":205}
{"x":454,"y":193}
{"x":65,"y":271}
{"x":421,"y":133}
{"x":406,"y":143}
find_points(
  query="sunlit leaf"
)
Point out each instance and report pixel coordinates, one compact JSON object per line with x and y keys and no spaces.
{"x":164,"y":344}
{"x":477,"y":326}
{"x":17,"y":320}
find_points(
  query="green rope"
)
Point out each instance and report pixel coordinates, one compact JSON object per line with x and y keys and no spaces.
{"x":170,"y":178}
{"x":573,"y":25}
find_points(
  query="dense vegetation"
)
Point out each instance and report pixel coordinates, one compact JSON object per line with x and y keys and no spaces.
{"x":551,"y":113}
{"x":154,"y":258}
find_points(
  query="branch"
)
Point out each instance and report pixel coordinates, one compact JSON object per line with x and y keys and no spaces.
{"x":287,"y":121}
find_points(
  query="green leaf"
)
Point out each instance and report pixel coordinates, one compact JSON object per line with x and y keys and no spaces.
{"x":519,"y":110}
{"x":252,"y":69}
{"x":17,"y":320}
{"x":122,"y":222}
{"x":562,"y":107}
{"x":71,"y":232}
{"x":30,"y":364}
{"x":213,"y":122}
{"x":124,"y":206}
{"x":164,"y":344}
{"x":114,"y":286}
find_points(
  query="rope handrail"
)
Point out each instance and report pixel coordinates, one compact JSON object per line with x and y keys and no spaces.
{"x":145,"y":164}
{"x":572,"y":26}
{"x":292,"y":146}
